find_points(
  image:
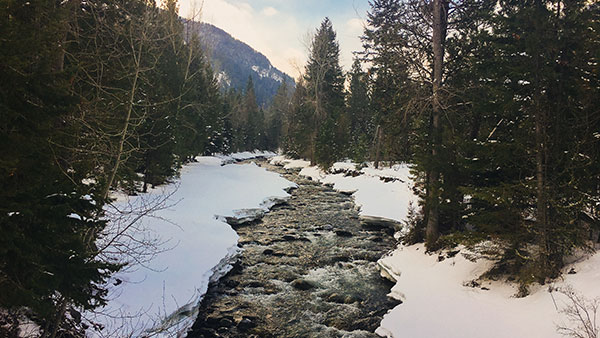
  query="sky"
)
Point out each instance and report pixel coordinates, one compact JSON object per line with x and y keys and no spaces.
{"x":280,"y":29}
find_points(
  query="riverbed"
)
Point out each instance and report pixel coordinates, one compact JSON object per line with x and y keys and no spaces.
{"x":186,"y":240}
{"x":308,"y":268}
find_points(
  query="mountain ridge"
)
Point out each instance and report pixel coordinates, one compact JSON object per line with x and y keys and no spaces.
{"x":233,"y":61}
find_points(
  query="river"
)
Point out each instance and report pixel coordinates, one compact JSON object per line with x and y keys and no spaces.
{"x":308,"y":268}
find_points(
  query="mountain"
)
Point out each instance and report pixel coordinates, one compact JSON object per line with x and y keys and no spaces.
{"x":234,"y":61}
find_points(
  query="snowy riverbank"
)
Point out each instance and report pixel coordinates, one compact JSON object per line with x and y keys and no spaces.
{"x":439,"y":299}
{"x":195,"y":241}
{"x":385,"y":192}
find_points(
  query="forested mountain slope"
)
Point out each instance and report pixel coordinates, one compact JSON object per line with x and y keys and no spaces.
{"x":234,"y":61}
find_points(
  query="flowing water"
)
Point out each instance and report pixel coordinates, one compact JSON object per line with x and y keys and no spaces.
{"x":307,"y":269}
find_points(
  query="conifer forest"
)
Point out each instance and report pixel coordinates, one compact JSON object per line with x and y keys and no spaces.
{"x":493,"y":104}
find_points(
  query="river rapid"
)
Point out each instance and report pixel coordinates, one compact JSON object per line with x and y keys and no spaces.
{"x":308,"y":268}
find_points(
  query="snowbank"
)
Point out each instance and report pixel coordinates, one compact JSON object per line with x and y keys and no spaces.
{"x":174,"y":281}
{"x":289,"y":163}
{"x":384,"y":192}
{"x":246,"y":155}
{"x":440,"y":301}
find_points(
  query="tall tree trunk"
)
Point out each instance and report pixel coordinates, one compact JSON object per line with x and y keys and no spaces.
{"x":137,"y":55}
{"x":126,"y":125}
{"x":71,"y":8}
{"x":377,"y":146}
{"x":62,"y":309}
{"x":541,"y":160}
{"x":440,"y":15}
{"x":542,"y":203}
{"x":313,"y":145}
{"x":317,"y":120}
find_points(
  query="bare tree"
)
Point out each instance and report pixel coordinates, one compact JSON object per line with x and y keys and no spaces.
{"x":581,"y":314}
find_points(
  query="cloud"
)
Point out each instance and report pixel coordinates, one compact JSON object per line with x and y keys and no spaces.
{"x":276,"y":28}
{"x":269,"y":31}
{"x":269,"y":11}
{"x":356,"y":25}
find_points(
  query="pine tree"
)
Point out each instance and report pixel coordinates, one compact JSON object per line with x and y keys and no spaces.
{"x":392,"y":90}
{"x":199,"y":115}
{"x":274,"y":119}
{"x":359,"y":112}
{"x":255,"y":118}
{"x":325,"y":83}
{"x":541,"y":47}
{"x":46,"y":208}
{"x":297,"y":125}
{"x":515,"y":85}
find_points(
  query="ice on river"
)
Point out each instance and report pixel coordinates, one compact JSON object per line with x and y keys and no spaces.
{"x":172,"y":283}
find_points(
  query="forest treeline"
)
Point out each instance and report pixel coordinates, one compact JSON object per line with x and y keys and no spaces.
{"x":96,"y":96}
{"x":494,"y":103}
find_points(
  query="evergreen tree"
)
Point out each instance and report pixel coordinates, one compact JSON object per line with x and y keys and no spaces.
{"x":274,"y":118}
{"x":325,"y":85}
{"x":358,"y":106}
{"x":297,"y":126}
{"x":516,"y":82}
{"x":46,"y":208}
{"x":543,"y":70}
{"x":97,"y":94}
{"x":238,"y":119}
{"x":199,"y":115}
{"x":255,"y":118}
{"x":389,"y":58}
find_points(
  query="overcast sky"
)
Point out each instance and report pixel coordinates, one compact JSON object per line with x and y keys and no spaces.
{"x":278,"y":28}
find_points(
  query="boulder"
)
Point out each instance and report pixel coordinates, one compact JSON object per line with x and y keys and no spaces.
{"x":379,"y":223}
{"x":343,"y":233}
{"x":302,"y":284}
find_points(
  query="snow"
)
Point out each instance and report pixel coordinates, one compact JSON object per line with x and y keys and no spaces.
{"x":436,"y":303}
{"x":25,"y":327}
{"x":173,"y":282}
{"x":438,"y":297}
{"x":223,"y":79}
{"x":374,"y":197}
{"x":289,"y":163}
{"x":267,"y":73}
{"x":28,"y":328}
{"x":245,"y":155}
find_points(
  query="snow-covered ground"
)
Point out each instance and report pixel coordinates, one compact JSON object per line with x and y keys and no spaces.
{"x":374,"y":196}
{"x":197,"y":241}
{"x":437,"y":302}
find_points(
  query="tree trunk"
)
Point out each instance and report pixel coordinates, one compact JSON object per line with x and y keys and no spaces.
{"x":71,"y":8}
{"x":123,"y":134}
{"x":62,"y":309}
{"x":541,"y":160}
{"x":542,"y":203}
{"x":317,"y":120}
{"x":378,"y":146}
{"x":313,"y":146}
{"x":440,"y":15}
{"x":137,"y":55}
